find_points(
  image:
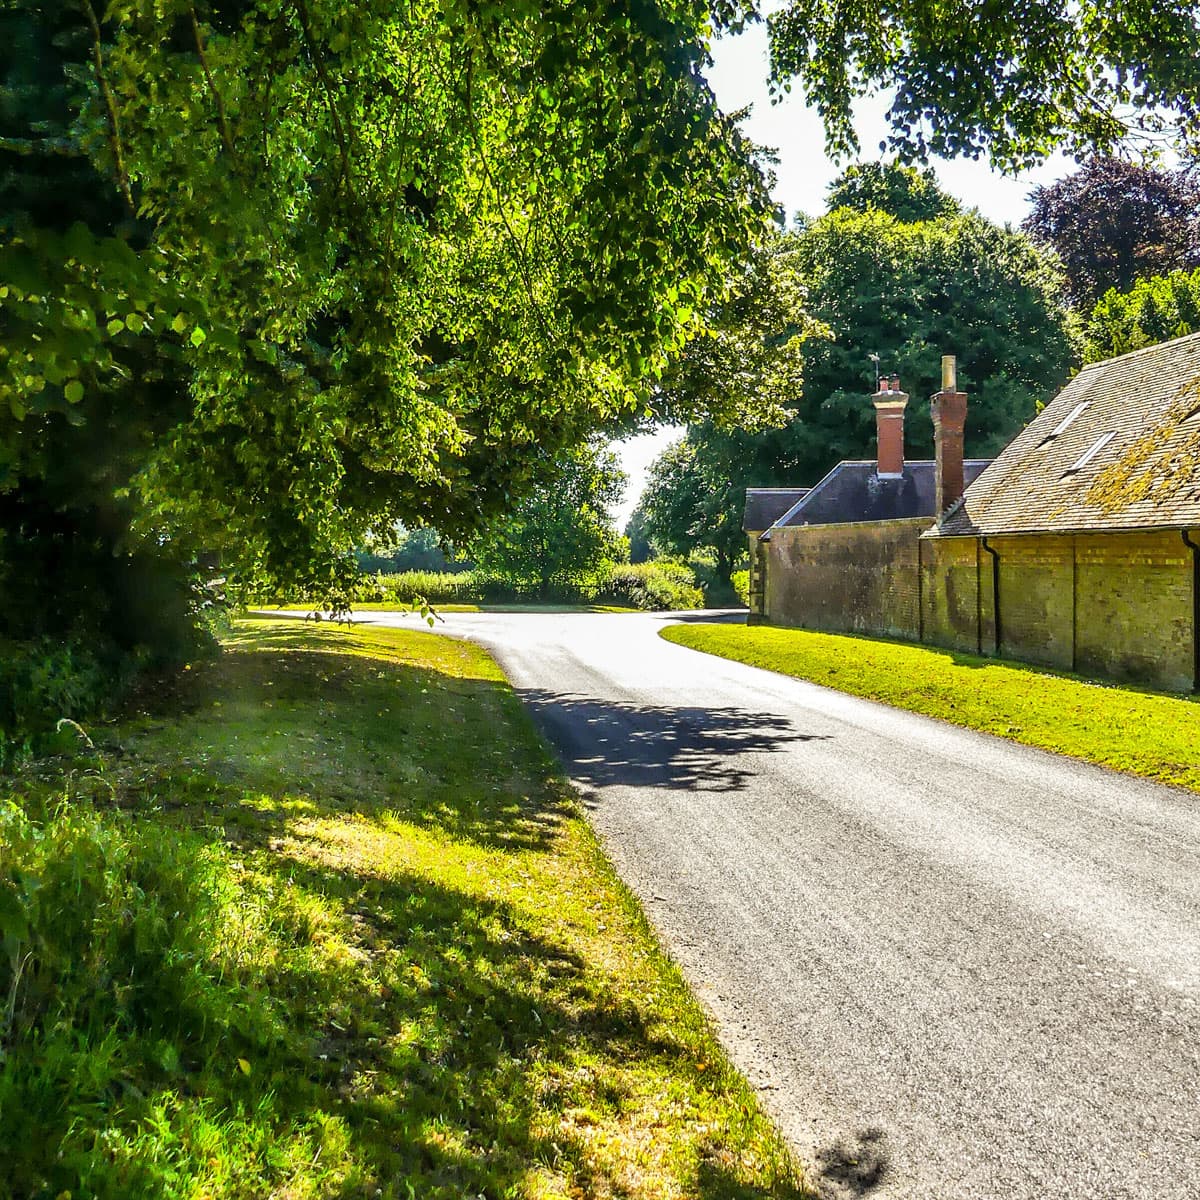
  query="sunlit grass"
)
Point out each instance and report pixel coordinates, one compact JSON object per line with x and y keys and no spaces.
{"x":1143,"y":733}
{"x":333,"y":927}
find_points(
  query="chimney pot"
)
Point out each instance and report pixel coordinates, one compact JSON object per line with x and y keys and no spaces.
{"x":890,"y":403}
{"x":949,"y":373}
{"x":949,"y":411}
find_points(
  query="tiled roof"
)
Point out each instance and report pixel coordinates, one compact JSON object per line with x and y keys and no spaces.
{"x":1043,"y":481}
{"x":764,"y":506}
{"x":854,"y":491}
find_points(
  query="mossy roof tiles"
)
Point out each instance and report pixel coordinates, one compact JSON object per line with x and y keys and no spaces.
{"x":1032,"y":488}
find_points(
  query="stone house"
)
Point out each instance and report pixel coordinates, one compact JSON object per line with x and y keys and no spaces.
{"x":1078,"y":548}
{"x":810,"y":571}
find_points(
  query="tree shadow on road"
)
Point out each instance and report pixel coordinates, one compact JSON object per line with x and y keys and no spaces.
{"x":604,"y":742}
{"x":854,"y":1165}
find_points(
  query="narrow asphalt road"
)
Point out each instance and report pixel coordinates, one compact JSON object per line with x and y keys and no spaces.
{"x":954,"y":967}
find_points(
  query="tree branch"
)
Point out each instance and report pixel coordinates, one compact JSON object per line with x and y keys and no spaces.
{"x":222,"y":122}
{"x":114,"y":125}
{"x":339,"y":131}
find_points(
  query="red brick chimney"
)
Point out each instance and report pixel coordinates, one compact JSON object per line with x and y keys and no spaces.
{"x":890,"y":403}
{"x":949,"y":411}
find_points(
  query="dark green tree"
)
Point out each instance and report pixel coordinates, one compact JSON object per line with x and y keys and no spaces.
{"x":640,"y":549}
{"x":907,"y":193}
{"x":909,"y":292}
{"x":1114,"y":222}
{"x":690,"y":503}
{"x":555,"y":540}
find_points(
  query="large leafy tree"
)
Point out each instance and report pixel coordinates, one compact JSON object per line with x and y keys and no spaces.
{"x":1113,"y":222}
{"x":908,"y":291}
{"x":556,"y":538}
{"x":691,"y":502}
{"x":907,"y":194}
{"x":278,"y":274}
{"x":1009,"y":80}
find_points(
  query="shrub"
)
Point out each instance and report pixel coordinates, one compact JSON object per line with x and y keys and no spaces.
{"x":42,"y":682}
{"x":659,"y":586}
{"x":437,"y":587}
{"x":741,"y":586}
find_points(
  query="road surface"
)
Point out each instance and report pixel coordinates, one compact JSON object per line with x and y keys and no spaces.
{"x":953,"y":966}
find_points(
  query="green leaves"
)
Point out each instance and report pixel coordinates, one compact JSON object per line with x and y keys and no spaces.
{"x":908,"y":291}
{"x":380,"y":262}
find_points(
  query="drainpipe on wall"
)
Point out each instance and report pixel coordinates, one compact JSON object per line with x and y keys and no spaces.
{"x":1195,"y":549}
{"x":995,"y":589}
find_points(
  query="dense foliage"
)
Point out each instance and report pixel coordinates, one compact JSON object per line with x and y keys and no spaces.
{"x":558,"y":536}
{"x":278,"y":275}
{"x":908,"y":291}
{"x":1114,"y":222}
{"x":658,"y":585}
{"x":1010,"y":80}
{"x":418,"y":549}
{"x":1153,"y":310}
{"x":908,"y":194}
{"x":692,"y":502}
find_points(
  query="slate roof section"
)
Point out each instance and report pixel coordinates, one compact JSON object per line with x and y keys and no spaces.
{"x":764,"y":506}
{"x":854,"y":491}
{"x":1032,"y":488}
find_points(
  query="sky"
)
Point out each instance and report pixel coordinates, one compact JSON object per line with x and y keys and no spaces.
{"x":739,"y":78}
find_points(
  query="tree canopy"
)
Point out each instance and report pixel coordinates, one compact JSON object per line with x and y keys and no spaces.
{"x":691,"y":503}
{"x":908,"y":291}
{"x":907,"y":193}
{"x":1153,"y":310}
{"x":1114,"y":222}
{"x":277,"y":274}
{"x":1009,"y":80}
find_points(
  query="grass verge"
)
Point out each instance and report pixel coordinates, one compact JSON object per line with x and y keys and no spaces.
{"x":1141,"y":733}
{"x":335,"y":928}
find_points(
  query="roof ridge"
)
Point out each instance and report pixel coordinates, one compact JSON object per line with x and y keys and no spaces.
{"x":1104,"y":362}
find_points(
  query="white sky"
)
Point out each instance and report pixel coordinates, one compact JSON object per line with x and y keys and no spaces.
{"x":739,"y":78}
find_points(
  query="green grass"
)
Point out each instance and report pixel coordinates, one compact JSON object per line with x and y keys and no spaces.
{"x":332,"y":926}
{"x":1142,"y":733}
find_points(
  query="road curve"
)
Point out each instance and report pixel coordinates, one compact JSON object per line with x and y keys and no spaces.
{"x":953,"y":966}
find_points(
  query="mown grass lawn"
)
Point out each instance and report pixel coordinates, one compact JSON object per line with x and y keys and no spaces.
{"x":1143,"y":733}
{"x":333,"y":927}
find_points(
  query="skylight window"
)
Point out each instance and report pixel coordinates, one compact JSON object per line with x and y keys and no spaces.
{"x":1087,"y":456}
{"x":1069,"y":419}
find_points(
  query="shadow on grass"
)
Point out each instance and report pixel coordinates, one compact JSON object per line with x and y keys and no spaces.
{"x":382,"y":737}
{"x":400,"y":1034}
{"x":606,"y":742}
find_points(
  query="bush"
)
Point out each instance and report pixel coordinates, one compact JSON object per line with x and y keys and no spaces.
{"x":41,"y":683}
{"x":659,"y":586}
{"x":653,"y":586}
{"x":741,"y":586}
{"x":437,"y":587}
